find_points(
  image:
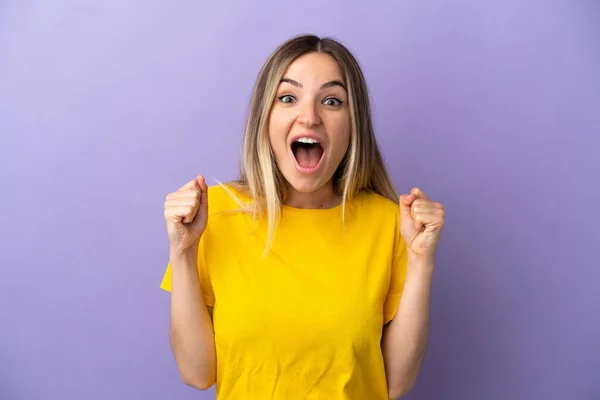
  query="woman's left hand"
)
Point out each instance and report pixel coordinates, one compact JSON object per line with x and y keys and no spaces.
{"x":421,"y":224}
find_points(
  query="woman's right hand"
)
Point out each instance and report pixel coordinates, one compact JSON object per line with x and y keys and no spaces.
{"x":186,"y":215}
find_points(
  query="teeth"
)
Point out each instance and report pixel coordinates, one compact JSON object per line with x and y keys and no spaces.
{"x":306,"y":140}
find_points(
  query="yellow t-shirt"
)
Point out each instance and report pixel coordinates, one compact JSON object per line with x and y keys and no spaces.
{"x":305,"y":322}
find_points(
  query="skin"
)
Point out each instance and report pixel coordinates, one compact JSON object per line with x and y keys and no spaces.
{"x":405,"y":339}
{"x":191,"y":328}
{"x":311,"y":99}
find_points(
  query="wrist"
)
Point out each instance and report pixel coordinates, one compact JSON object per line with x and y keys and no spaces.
{"x":421,"y":259}
{"x":419,"y":265}
{"x":187,"y":256}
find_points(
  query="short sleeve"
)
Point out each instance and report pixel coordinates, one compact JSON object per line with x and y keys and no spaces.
{"x":203,"y":275}
{"x":397,"y":279}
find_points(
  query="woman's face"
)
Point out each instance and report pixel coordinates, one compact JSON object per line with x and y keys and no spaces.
{"x":309,"y":123}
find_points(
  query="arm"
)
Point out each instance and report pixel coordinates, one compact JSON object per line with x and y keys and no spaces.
{"x":191,"y":334}
{"x":405,"y":339}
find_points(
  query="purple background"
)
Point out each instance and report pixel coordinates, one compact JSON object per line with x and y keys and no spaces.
{"x":492,"y":108}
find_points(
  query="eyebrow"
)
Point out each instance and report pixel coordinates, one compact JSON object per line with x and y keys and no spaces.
{"x":323,"y":86}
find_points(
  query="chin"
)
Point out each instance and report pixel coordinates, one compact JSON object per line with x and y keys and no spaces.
{"x":305,"y":184}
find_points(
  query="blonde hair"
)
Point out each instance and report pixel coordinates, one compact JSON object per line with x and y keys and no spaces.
{"x":362,"y":167}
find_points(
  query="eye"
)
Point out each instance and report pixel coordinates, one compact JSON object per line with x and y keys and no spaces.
{"x":287,"y":98}
{"x":332,"y":101}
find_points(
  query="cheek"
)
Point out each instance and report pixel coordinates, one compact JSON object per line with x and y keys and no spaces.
{"x":278,"y":128}
{"x":340,"y":136}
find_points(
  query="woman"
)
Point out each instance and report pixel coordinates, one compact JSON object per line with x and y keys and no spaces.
{"x":306,"y":278}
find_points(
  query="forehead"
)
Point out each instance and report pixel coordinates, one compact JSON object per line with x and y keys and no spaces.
{"x":314,"y":67}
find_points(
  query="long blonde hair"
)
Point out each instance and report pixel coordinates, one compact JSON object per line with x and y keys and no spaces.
{"x":362,"y":167}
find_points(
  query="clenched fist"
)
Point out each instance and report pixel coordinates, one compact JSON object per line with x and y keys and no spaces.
{"x":422,"y":223}
{"x":186,"y":214}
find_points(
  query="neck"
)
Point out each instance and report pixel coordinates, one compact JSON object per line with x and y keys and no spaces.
{"x":324,"y":197}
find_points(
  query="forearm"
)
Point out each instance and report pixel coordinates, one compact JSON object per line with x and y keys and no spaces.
{"x":192,"y":334}
{"x":405,"y":339}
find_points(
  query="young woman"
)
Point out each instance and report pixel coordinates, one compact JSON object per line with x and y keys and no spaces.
{"x":307,"y":278}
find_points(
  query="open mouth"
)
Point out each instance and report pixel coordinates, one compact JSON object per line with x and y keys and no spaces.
{"x":308,"y":153}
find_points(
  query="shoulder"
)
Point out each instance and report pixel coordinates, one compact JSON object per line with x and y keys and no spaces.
{"x":377,"y":204}
{"x":225,"y":197}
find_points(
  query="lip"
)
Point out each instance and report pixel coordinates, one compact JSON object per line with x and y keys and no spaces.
{"x":316,"y":167}
{"x":310,"y":136}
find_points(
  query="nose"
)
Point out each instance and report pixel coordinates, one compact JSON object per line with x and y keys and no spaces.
{"x":309,"y":115}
